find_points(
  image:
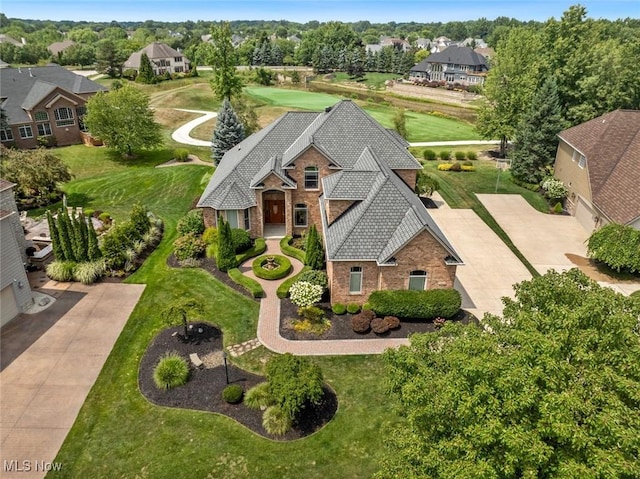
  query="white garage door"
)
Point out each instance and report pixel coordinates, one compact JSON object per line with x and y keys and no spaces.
{"x":585,"y":215}
{"x":8,"y":305}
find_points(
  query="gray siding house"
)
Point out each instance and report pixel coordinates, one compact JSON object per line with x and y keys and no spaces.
{"x":455,"y":64}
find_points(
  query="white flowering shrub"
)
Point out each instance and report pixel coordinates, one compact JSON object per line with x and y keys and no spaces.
{"x":305,"y":294}
{"x":555,"y":189}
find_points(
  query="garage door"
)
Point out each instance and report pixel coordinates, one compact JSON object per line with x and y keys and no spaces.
{"x":585,"y":215}
{"x":8,"y":305}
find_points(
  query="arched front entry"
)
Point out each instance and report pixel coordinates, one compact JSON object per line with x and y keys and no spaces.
{"x":273,"y":207}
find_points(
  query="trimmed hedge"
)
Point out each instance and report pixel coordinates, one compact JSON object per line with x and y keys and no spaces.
{"x":416,"y":304}
{"x":259,"y":247}
{"x":283,"y":269}
{"x":247,"y":283}
{"x":283,"y":289}
{"x":289,"y":250}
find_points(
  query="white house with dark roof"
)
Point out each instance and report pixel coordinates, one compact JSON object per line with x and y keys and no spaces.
{"x":47,"y":102}
{"x":343,"y":172}
{"x":164,"y":59}
{"x":455,"y":64}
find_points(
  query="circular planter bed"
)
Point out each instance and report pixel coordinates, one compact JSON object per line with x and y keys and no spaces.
{"x":271,"y":267}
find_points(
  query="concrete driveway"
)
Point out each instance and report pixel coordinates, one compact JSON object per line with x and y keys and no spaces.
{"x":490,"y":268}
{"x":50,"y":361}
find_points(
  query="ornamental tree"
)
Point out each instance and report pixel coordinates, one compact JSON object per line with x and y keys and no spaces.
{"x":551,"y":390}
{"x":314,"y":256}
{"x":229,"y":131}
{"x":146,"y":74}
{"x":226,"y":255}
{"x":617,"y":246}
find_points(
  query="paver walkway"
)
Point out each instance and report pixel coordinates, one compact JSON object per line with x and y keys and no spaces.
{"x":50,"y":361}
{"x":269,"y":323}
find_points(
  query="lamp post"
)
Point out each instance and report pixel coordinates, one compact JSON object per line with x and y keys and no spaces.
{"x":226,"y":371}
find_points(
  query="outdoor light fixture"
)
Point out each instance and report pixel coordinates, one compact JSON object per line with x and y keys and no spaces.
{"x":226,"y":371}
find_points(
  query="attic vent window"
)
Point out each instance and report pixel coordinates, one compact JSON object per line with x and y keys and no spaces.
{"x":582,"y":162}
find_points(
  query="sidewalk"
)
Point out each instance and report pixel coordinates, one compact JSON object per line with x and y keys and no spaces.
{"x":181,"y":135}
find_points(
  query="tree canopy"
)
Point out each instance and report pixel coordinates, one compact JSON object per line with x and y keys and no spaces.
{"x":551,"y":390}
{"x":227,"y":133}
{"x":123,"y":120}
{"x":226,"y":82}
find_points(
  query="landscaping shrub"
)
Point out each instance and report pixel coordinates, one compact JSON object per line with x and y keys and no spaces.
{"x":366,"y":306}
{"x":445,"y":155}
{"x":379,"y":326}
{"x":339,"y":308}
{"x":311,"y":313}
{"x":426,"y":184}
{"x":240,"y":239}
{"x":139,"y":216}
{"x":259,"y":247}
{"x":554,"y":189}
{"x":233,"y":393}
{"x":416,"y":304}
{"x":360,"y":323}
{"x":467,"y":168}
{"x":258,"y":397}
{"x":456,"y":167}
{"x":190,"y":263}
{"x":181,"y":154}
{"x":61,"y":270}
{"x":105,"y":218}
{"x":225,"y":252}
{"x":283,"y":269}
{"x":429,"y":155}
{"x":192,"y":222}
{"x":286,"y":248}
{"x":89,"y":272}
{"x":314,"y":256}
{"x":275,"y":421}
{"x":557,"y":208}
{"x":439,"y":322}
{"x":188,"y":246}
{"x":250,"y":284}
{"x":210,"y":235}
{"x":444,"y":166}
{"x":472,"y":155}
{"x":459,"y":155}
{"x":283,"y":290}
{"x":392,"y":322}
{"x":171,"y":371}
{"x":319,"y":278}
{"x":353,"y":308}
{"x":305,"y":294}
{"x":617,"y":246}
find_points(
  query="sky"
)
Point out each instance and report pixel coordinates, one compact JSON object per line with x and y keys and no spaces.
{"x":376,"y":11}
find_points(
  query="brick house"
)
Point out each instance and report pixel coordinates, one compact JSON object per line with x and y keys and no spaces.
{"x":599,"y":163}
{"x":343,"y":172}
{"x":454,"y":64}
{"x":47,"y":102}
{"x":164,"y":59}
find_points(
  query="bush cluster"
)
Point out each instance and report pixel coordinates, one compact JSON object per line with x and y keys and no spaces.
{"x":283,"y":290}
{"x":554,"y":189}
{"x":232,"y":394}
{"x":192,"y":222}
{"x":305,"y":294}
{"x":258,"y":397}
{"x":617,"y":246}
{"x":339,"y":308}
{"x":171,"y":371}
{"x":181,"y":154}
{"x":188,"y":246}
{"x":240,"y":240}
{"x":360,"y":323}
{"x":416,"y":304}
{"x":311,"y":313}
{"x":353,"y":308}
{"x":210,"y":235}
{"x":61,"y":270}
{"x":316,"y":277}
{"x":283,"y":269}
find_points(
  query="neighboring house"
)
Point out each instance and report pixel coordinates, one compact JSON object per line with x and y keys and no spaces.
{"x":455,"y":64}
{"x":7,"y":39}
{"x":343,"y":172}
{"x":164,"y":59}
{"x":487,"y":52}
{"x":423,"y":43}
{"x":15,"y":293}
{"x":397,"y":43}
{"x":46,"y":102}
{"x":473,"y":43}
{"x":439,"y":44}
{"x":599,"y":162}
{"x":58,"y":48}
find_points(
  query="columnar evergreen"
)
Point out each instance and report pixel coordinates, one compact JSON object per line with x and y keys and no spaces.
{"x":226,"y":256}
{"x":66,"y":234}
{"x":229,"y":131}
{"x":314,"y":251}
{"x":145,"y":75}
{"x":77,"y":243}
{"x":54,"y":234}
{"x":93,"y":249}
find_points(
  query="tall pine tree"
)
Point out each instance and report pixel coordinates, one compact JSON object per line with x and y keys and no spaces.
{"x":93,"y":250}
{"x":145,"y":74}
{"x":54,"y":234}
{"x":65,"y":231}
{"x":226,"y":255}
{"x":314,"y":256}
{"x":536,"y":141}
{"x":227,"y":133}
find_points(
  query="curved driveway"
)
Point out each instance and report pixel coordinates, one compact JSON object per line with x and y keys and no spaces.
{"x":181,"y":135}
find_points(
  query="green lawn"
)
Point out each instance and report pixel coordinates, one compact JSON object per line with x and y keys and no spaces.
{"x":371,"y":79}
{"x":295,"y":99}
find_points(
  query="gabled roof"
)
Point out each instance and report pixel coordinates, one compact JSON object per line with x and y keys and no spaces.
{"x":272,"y":167}
{"x":386,"y":219}
{"x":155,"y":51}
{"x":24,"y":88}
{"x":7,"y":39}
{"x":342,"y":132}
{"x":611,"y":146}
{"x":59,"y":47}
{"x":453,"y":54}
{"x":6,"y":185}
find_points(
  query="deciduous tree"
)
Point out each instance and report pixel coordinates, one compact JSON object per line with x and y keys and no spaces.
{"x":226,"y":82}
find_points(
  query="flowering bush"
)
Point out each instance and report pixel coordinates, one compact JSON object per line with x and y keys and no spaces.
{"x":305,"y":294}
{"x":554,"y":189}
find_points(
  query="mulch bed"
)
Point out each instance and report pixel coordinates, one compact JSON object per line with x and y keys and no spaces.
{"x":341,"y":325}
{"x":203,"y":391}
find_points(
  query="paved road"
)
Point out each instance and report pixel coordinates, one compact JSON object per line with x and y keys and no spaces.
{"x":455,"y":143}
{"x":181,"y":135}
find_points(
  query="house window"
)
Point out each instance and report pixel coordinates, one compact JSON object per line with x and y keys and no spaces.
{"x":25,"y":131}
{"x":179,"y":69}
{"x":246,"y":219}
{"x":311,"y":178}
{"x":165,"y":63}
{"x":44,"y":129}
{"x":81,"y":111}
{"x":64,"y":116}
{"x":232,"y":218}
{"x":418,"y":280}
{"x":6,"y":134}
{"x":41,"y":116}
{"x":582,"y":162}
{"x":300,"y":215}
{"x":177,"y":59}
{"x":355,"y":280}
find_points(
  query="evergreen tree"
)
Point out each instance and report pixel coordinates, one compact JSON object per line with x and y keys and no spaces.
{"x":145,"y":75}
{"x":400,"y":123}
{"x":66,"y":235}
{"x":536,"y":142}
{"x":54,"y":233}
{"x":227,"y":133}
{"x":79,"y":245}
{"x":314,"y":256}
{"x":93,"y":250}
{"x":226,"y":257}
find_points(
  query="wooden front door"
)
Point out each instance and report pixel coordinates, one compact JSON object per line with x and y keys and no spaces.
{"x":274,"y":211}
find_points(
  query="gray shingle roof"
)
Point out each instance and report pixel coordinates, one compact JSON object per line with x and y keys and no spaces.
{"x":273,"y":166}
{"x":26,"y":87}
{"x":342,"y":133}
{"x":382,"y":223}
{"x":155,"y":51}
{"x":453,"y":54}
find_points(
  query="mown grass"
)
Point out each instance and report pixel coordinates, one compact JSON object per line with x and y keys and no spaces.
{"x":292,"y":98}
{"x":370,"y":79}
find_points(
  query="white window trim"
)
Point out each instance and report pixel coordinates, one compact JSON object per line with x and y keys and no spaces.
{"x":8,"y":134}
{"x":317,"y":175}
{"x":44,"y":118}
{"x":351,"y":275}
{"x":43,"y":124}
{"x":421,"y":276}
{"x":62,"y":122}
{"x":304,"y":208}
{"x":23,"y":128}
{"x":246,"y":216}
